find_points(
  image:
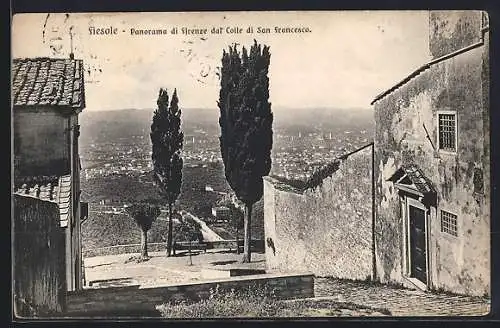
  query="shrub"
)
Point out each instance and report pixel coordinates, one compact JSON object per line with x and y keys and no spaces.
{"x":252,"y":301}
{"x":257,"y":301}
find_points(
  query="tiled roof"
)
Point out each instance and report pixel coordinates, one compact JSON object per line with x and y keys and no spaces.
{"x":54,"y":189}
{"x":415,"y":175}
{"x":48,"y":81}
{"x":418,"y":178}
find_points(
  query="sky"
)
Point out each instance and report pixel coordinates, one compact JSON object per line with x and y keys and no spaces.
{"x":346,"y":59}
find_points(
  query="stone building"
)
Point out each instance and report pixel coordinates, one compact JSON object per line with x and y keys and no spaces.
{"x":432,"y":164}
{"x":325,"y":226}
{"x":416,"y":211}
{"x":47,"y":96}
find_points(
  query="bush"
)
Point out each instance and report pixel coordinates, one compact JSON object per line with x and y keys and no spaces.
{"x":249,"y":302}
{"x":187,"y":230}
{"x":257,"y":301}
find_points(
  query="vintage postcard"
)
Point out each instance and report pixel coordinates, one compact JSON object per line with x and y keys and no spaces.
{"x":251,"y":164}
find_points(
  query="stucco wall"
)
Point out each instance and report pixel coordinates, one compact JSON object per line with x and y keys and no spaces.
{"x":326,"y":230}
{"x":38,"y":254}
{"x":41,"y":142}
{"x":459,"y":264}
{"x":452,"y":30}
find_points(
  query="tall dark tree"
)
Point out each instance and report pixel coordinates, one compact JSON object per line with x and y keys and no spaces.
{"x":167,"y":141}
{"x":246,"y":126}
{"x":144,"y":215}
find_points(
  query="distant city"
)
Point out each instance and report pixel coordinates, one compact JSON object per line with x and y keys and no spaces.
{"x":297,"y":151}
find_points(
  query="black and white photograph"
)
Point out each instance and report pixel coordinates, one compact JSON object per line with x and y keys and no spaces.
{"x":243,"y":164}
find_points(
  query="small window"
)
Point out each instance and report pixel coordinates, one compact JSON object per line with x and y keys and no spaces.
{"x":447,"y":131}
{"x":449,"y":223}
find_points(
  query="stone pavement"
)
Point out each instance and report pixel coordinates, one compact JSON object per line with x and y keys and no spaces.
{"x":400,"y":301}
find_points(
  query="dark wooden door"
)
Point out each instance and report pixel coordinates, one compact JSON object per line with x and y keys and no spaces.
{"x":418,"y":249}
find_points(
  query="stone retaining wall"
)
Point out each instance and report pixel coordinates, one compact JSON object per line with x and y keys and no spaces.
{"x":257,"y":246}
{"x":122,"y":249}
{"x":135,"y":299}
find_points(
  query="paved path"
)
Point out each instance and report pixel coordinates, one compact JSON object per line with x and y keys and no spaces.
{"x":399,"y":301}
{"x":208,"y":234}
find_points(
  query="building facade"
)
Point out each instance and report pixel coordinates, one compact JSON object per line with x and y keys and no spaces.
{"x":47,"y":97}
{"x":326,"y":227}
{"x":432,"y":164}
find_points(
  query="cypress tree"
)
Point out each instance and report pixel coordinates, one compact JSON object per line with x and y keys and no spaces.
{"x":246,"y":126}
{"x":167,"y":142}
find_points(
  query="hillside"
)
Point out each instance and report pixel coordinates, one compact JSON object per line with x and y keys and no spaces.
{"x":123,"y":127}
{"x":193,"y":198}
{"x":103,"y":229}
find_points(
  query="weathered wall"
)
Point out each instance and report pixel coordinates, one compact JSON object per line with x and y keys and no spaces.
{"x":39,"y":275}
{"x":74,"y":256}
{"x":326,"y":230}
{"x":134,"y":299}
{"x":41,"y":142}
{"x":458,"y":264}
{"x":452,"y":30}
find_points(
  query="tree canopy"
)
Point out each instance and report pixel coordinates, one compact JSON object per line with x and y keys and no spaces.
{"x":246,"y":120}
{"x":143,"y":214}
{"x":167,"y":141}
{"x":246,"y":126}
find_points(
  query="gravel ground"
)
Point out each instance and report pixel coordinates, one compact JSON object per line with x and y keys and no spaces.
{"x":160,"y":270}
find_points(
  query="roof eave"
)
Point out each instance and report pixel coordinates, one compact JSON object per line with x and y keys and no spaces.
{"x":65,"y":109}
{"x":400,"y":83}
{"x":428,"y":65}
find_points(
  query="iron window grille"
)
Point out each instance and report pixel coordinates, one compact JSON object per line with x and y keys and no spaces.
{"x":449,"y":223}
{"x":447,"y":130}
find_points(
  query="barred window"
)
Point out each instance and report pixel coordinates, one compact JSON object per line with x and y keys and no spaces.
{"x":449,"y":223}
{"x":447,"y":132}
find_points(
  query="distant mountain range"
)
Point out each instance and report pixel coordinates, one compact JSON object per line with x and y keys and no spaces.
{"x":125,"y":123}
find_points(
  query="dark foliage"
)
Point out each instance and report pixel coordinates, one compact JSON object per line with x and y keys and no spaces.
{"x":246,"y":120}
{"x":316,"y":178}
{"x":188,"y":230}
{"x":144,"y":215}
{"x":167,"y":141}
{"x":295,"y":183}
{"x":246,"y":125}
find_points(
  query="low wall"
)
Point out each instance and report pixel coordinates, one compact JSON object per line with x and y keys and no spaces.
{"x":256,"y":246}
{"x":122,"y":249}
{"x":39,"y":258}
{"x":326,"y":229}
{"x":135,"y":299}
